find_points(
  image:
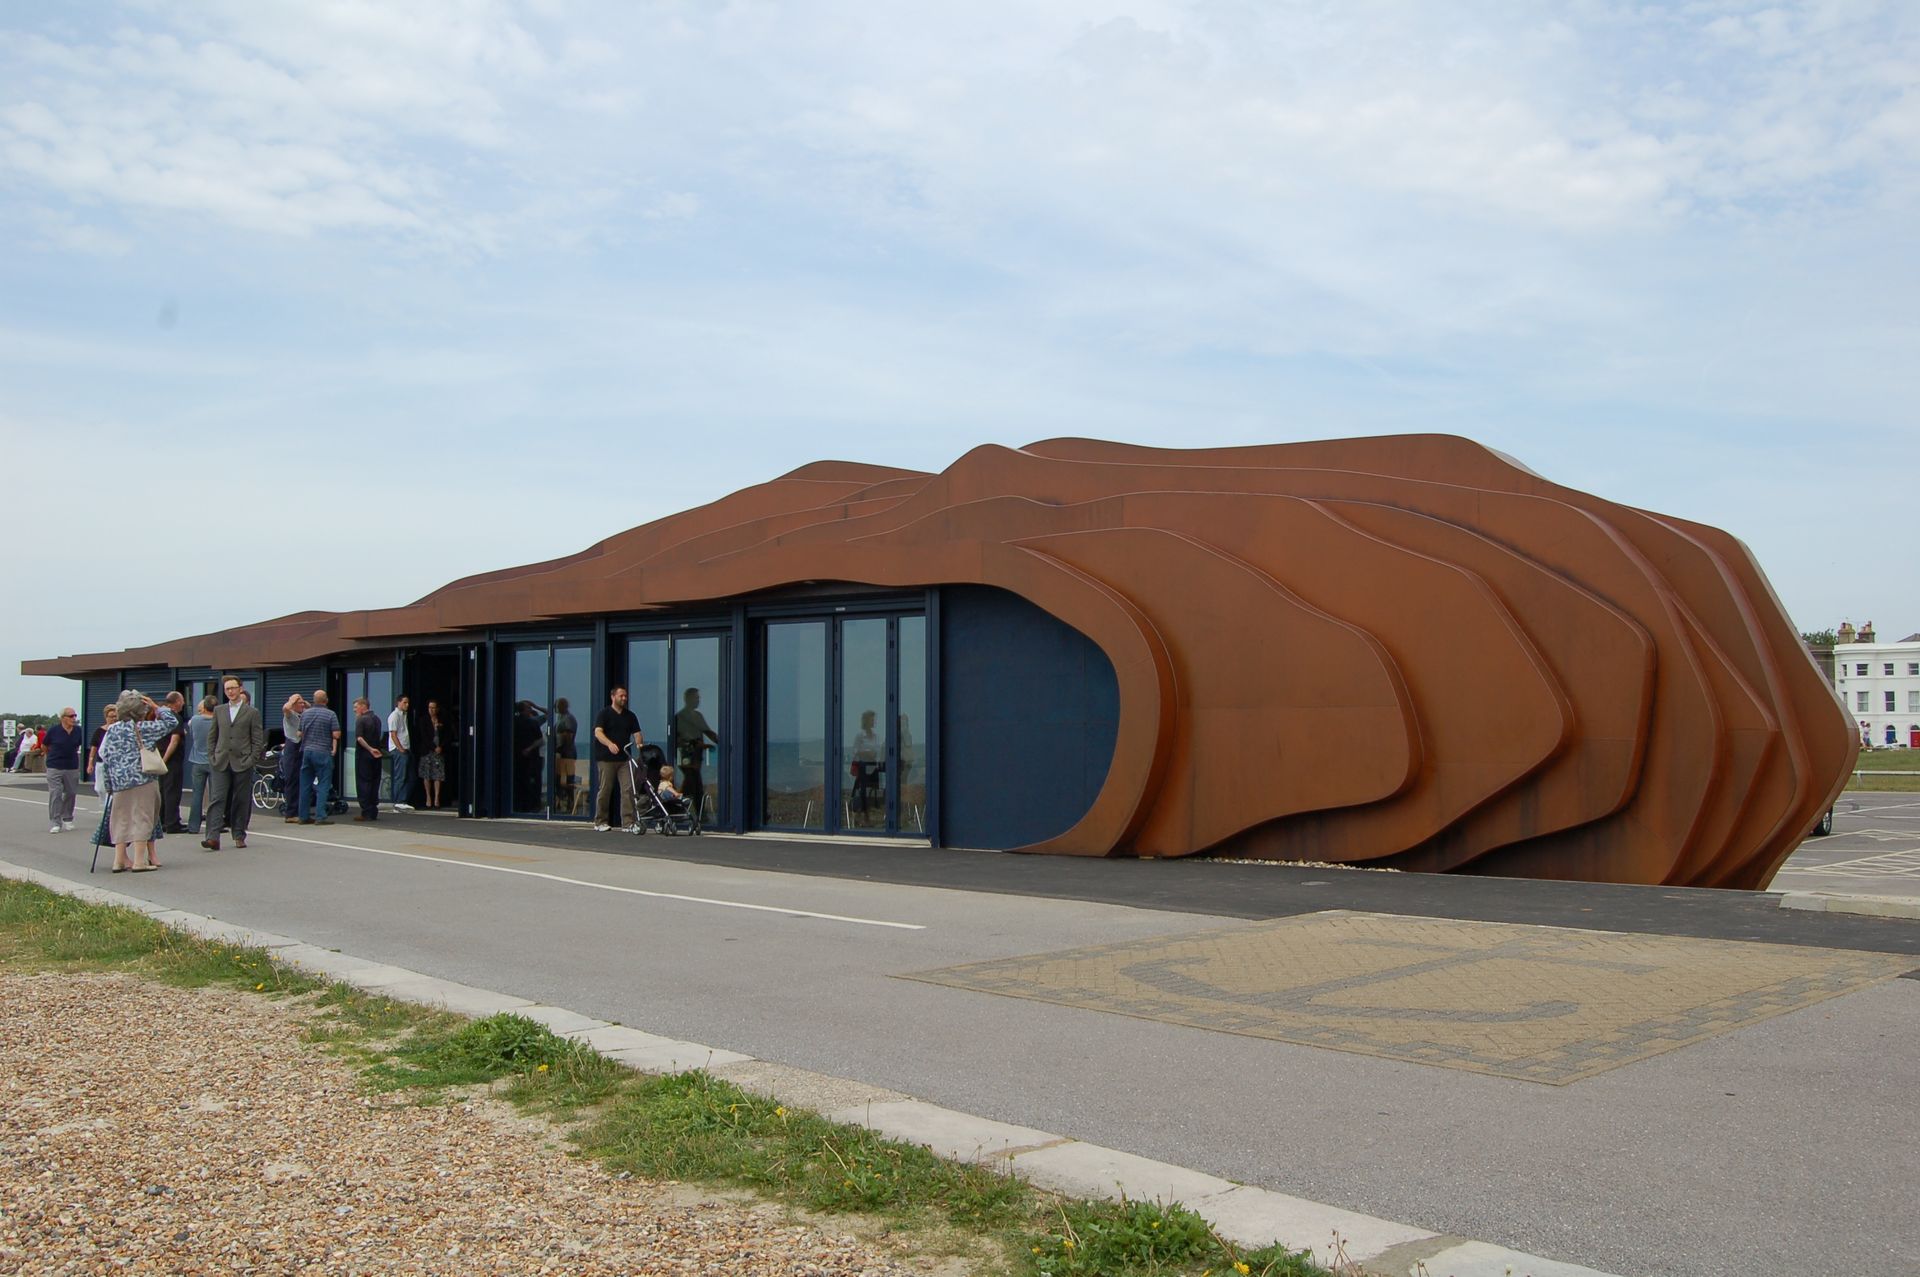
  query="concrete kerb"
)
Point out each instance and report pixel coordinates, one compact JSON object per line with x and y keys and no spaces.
{"x":1245,"y":1215}
{"x":1839,"y":902}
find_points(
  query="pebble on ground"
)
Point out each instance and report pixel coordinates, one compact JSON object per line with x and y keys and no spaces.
{"x":148,"y":1129}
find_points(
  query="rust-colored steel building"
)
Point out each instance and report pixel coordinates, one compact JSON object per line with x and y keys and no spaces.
{"x":1405,"y":651}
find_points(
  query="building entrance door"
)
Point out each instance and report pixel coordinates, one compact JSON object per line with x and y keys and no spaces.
{"x":551,"y":687}
{"x":843,"y":706}
{"x":677,"y":688}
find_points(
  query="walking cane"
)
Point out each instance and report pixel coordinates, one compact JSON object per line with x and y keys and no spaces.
{"x":106,"y":814}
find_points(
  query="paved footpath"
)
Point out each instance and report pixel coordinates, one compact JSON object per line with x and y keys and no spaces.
{"x":1412,"y":1061}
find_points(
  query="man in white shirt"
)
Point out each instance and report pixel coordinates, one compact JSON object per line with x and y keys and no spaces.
{"x":400,"y":755}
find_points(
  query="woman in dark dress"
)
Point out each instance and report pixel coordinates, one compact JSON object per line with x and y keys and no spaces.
{"x":437,"y":739}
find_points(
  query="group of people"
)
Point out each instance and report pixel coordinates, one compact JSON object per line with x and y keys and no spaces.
{"x":138,"y":760}
{"x":382,"y":747}
{"x":142,"y":752}
{"x":32,"y":740}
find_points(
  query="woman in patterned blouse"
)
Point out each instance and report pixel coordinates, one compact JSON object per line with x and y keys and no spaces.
{"x":136,"y":795}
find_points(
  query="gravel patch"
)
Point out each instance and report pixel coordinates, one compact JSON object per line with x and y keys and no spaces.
{"x":149,"y":1129}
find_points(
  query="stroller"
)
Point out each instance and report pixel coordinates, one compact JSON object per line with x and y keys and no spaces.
{"x":656,"y":812}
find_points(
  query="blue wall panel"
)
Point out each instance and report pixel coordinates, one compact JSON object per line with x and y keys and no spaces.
{"x":1029,"y":710}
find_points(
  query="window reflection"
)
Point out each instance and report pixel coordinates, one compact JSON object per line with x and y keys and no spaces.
{"x":910,"y":785}
{"x":528,"y":732}
{"x":863,"y":723}
{"x":572,"y":792}
{"x":698,"y":707}
{"x":794,"y":746}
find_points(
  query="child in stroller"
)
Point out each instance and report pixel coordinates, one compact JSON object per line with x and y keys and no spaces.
{"x":670,"y":814}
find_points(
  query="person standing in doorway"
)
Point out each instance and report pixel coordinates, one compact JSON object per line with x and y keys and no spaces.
{"x":200,"y":760}
{"x":614,"y":731}
{"x":174,"y":751}
{"x":234,"y":745}
{"x":367,"y":732}
{"x":400,"y":754}
{"x":290,"y":755}
{"x":63,"y":743}
{"x":691,"y":733}
{"x":436,"y":740}
{"x":319,"y":745}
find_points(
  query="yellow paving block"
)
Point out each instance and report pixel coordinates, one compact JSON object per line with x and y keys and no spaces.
{"x":1547,"y":1004}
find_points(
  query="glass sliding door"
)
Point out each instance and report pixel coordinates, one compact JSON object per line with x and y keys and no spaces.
{"x":676,"y":686}
{"x":377,"y":687}
{"x":648,"y":691}
{"x":910,"y":773}
{"x":530,"y":732}
{"x":698,"y":703}
{"x":844,"y":704}
{"x":793,"y":755}
{"x":551,"y":688}
{"x":864,"y":724}
{"x":572,"y":789}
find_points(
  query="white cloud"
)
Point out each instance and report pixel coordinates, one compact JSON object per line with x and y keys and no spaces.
{"x":749,"y":234}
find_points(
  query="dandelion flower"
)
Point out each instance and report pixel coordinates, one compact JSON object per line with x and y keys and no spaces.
{"x":258,"y":987}
{"x":1241,"y":1268}
{"x":541,"y":1069}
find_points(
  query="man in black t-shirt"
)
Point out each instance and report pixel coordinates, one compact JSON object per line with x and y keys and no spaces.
{"x":614,"y":730}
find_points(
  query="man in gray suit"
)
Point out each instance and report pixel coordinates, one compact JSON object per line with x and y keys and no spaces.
{"x":234,"y":747}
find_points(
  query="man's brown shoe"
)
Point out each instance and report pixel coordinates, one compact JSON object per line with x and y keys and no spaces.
{"x":359,"y":817}
{"x":239,"y":842}
{"x":211,"y":844}
{"x":293,"y":820}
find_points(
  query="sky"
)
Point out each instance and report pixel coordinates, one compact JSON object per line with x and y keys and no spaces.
{"x":458,"y":284}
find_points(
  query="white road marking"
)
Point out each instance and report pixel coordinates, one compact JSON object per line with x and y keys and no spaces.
{"x":599,"y":886}
{"x":572,"y":882}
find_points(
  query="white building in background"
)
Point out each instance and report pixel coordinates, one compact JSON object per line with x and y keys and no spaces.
{"x":1880,"y":683}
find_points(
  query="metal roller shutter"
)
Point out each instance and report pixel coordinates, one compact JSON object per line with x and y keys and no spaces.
{"x":96,"y":694}
{"x":156,"y":682}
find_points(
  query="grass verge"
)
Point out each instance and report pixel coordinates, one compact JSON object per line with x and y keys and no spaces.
{"x":690,"y":1127}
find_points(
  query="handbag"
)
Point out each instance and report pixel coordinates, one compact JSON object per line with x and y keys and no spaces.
{"x":151,"y":764}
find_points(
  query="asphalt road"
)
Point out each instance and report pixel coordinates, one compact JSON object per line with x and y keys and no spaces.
{"x":1782,"y":1147}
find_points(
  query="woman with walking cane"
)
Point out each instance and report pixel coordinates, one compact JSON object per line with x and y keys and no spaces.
{"x":132,"y":767}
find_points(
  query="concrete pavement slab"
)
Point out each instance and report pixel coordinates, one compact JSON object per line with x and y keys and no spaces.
{"x":959,"y":1137}
{"x":560,"y":1020}
{"x":1255,"y":1217}
{"x":821,"y":1092}
{"x":234,"y":934}
{"x":461,"y":999}
{"x":651,"y":1053}
{"x":1458,"y":1257}
{"x":1838,"y":902}
{"x":314,"y":960}
{"x":675,"y":1057}
{"x":1088,"y":1170}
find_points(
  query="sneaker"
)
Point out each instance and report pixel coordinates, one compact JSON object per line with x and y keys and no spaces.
{"x":636,"y":829}
{"x":403,"y":806}
{"x":601,"y":829}
{"x":66,"y":826}
{"x":54,"y":828}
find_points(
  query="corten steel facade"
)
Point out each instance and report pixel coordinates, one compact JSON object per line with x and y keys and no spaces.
{"x":1405,"y":651}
